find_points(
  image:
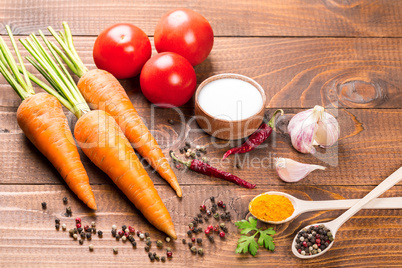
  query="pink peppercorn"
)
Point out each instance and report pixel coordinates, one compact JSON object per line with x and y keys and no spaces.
{"x":77,"y":220}
{"x":222,"y":234}
{"x":206,"y":231}
{"x":210,"y":227}
{"x":126,"y":234}
{"x":203,"y":207}
{"x":216,"y":229}
{"x":169,"y":254}
{"x":299,"y":250}
{"x":121,"y":233}
{"x":304,"y":244}
{"x":131,"y":229}
{"x":78,"y":225}
{"x":318,"y":241}
{"x":193,"y":239}
{"x":220,"y":203}
{"x":86,"y":228}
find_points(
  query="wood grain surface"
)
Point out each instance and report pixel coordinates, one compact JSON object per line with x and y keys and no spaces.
{"x":344,"y":55}
{"x":358,"y":18}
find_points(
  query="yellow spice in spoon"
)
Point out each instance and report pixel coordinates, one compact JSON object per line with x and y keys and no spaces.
{"x":269,"y":207}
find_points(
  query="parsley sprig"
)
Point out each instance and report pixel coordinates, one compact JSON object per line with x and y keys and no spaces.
{"x":247,"y":243}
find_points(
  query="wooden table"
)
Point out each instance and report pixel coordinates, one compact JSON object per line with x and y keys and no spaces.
{"x":345,"y":55}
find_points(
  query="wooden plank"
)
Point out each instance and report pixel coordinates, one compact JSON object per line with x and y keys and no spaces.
{"x":369,"y":149}
{"x":371,"y":237}
{"x":295,"y":72}
{"x":379,"y":18}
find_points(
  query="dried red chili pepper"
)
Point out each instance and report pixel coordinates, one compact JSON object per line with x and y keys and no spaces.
{"x":203,"y":168}
{"x":255,"y":139}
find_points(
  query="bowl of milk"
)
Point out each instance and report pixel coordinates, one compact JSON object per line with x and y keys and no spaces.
{"x":229,"y":106}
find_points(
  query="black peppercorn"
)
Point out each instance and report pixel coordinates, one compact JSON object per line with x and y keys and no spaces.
{"x":200,"y":220}
{"x":199,"y":241}
{"x":44,"y":205}
{"x":149,"y":243}
{"x":183,"y":241}
{"x":146,"y":248}
{"x":163,"y":258}
{"x":57,"y":220}
{"x":134,"y":244}
{"x":79,"y":230}
{"x":81,"y":241}
{"x":188,"y":144}
{"x":89,"y":236}
{"x":211,"y":238}
{"x":189,"y":233}
{"x":212,"y":198}
{"x":57,"y":226}
{"x":65,"y":200}
{"x":190,"y":244}
{"x":82,"y":234}
{"x":146,"y":234}
{"x":100,"y":233}
{"x":113,"y":232}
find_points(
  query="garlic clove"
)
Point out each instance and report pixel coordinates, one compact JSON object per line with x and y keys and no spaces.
{"x":328,"y":131}
{"x":293,"y":171}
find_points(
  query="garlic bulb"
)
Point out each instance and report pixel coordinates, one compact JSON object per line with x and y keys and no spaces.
{"x":313,"y":127}
{"x":293,"y":171}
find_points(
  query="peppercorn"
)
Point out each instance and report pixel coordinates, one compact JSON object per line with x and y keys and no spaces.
{"x":148,"y":243}
{"x":190,"y":244}
{"x":89,"y":236}
{"x":212,"y":198}
{"x":159,"y":244}
{"x":78,"y":225}
{"x":124,"y":227}
{"x":65,"y":200}
{"x":182,"y":150}
{"x":211,"y":239}
{"x":134,"y":244}
{"x":200,"y":220}
{"x":89,"y":230}
{"x":114,"y":233}
{"x":75,"y":236}
{"x":183,"y":241}
{"x":222,"y":234}
{"x":223,"y":206}
{"x":163,"y":259}
{"x":77,"y":220}
{"x":199,"y":241}
{"x":167,"y":239}
{"x":81,"y":241}
{"x":100,"y":233}
{"x":220,"y":203}
{"x":57,"y":220}
{"x":91,"y":247}
{"x":193,"y":249}
{"x":146,"y":235}
{"x":238,"y":166}
{"x":82,"y":235}
{"x":44,"y":205}
{"x":169,"y":254}
{"x":57,"y":226}
{"x":75,"y":230}
{"x":131,"y":229}
{"x":198,"y":153}
{"x":146,"y":248}
{"x":115,"y":250}
{"x":124,"y":238}
{"x":64,"y":226}
{"x":79,"y":230}
{"x":130,"y":238}
{"x":208,"y":213}
{"x":150,"y":254}
{"x":223,"y":216}
{"x":195,"y":223}
{"x":216,"y":216}
{"x":69,"y":211}
{"x":203,"y":208}
{"x":142,"y":236}
{"x":200,"y":251}
{"x":189,"y":233}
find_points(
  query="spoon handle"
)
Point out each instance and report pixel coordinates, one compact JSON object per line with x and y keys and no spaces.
{"x":393,"y":179}
{"x":378,"y":203}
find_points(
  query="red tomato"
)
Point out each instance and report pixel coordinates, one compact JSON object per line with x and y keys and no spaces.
{"x":186,"y":33}
{"x":122,"y":50}
{"x":168,"y":79}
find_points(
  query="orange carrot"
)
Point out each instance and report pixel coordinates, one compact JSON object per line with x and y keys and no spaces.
{"x":103,"y":91}
{"x":104,"y":143}
{"x":102,"y":140}
{"x":41,"y":118}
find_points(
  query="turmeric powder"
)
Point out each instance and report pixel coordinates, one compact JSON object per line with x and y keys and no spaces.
{"x":271,"y":207}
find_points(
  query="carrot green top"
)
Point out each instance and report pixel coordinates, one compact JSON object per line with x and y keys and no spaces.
{"x":70,"y":55}
{"x":55,"y":73}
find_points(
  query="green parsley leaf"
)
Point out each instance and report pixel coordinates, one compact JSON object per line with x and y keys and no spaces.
{"x":247,"y":243}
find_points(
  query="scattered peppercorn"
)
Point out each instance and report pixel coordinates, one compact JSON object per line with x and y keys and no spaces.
{"x":91,"y":247}
{"x":78,"y":225}
{"x":167,"y":239}
{"x":193,"y":249}
{"x":82,"y":235}
{"x":200,"y":251}
{"x":146,"y":248}
{"x":223,"y":206}
{"x":159,"y":243}
{"x":199,"y":241}
{"x":64,"y":226}
{"x":188,"y":144}
{"x":57,"y":220}
{"x":193,"y":239}
{"x":75,"y":236}
{"x":189,"y":233}
{"x":65,"y":200}
{"x":115,"y":250}
{"x":124,"y":227}
{"x":212,"y":198}
{"x":69,"y":212}
{"x":131,"y":229}
{"x":114,"y":233}
{"x":148,"y":243}
{"x":81,"y":241}
{"x":146,"y":235}
{"x":169,"y":254}
{"x":183,"y":241}
{"x":222,"y":234}
{"x":220,"y":203}
{"x":203,"y":208}
{"x":148,"y":239}
{"x":190,"y":244}
{"x":207,"y":231}
{"x":163,"y":259}
{"x":134,"y":244}
{"x":211,"y":239}
{"x":89,"y":236}
{"x":216,"y":216}
{"x":142,"y":236}
{"x":57,"y":226}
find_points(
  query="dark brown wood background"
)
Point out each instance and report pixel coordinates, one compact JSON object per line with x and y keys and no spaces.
{"x":346,"y":55}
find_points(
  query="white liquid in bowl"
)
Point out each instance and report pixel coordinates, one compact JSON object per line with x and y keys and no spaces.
{"x":230,"y":99}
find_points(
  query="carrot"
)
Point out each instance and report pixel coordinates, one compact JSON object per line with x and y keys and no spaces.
{"x":103,"y":91}
{"x":41,"y":118}
{"x":104,"y":143}
{"x":102,"y":140}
